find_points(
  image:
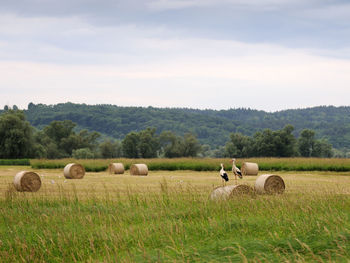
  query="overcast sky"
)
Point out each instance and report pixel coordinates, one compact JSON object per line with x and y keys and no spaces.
{"x":218,"y":54}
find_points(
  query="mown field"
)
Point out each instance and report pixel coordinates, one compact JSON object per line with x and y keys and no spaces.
{"x":167,"y":217}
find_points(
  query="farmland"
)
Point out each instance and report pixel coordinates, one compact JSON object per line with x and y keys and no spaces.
{"x":205,"y":164}
{"x":167,"y":216}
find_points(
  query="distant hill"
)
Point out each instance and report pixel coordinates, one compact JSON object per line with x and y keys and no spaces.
{"x":211,"y":126}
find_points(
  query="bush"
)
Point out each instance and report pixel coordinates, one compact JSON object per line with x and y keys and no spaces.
{"x":83,"y":153}
{"x":14,"y":162}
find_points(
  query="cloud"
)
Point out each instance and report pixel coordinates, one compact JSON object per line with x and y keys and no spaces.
{"x":219,"y":74}
{"x":262,"y":5}
{"x":335,"y":13}
{"x":73,"y":40}
{"x":203,"y":54}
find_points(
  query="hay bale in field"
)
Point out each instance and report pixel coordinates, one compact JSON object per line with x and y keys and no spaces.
{"x":249,"y":168}
{"x":270,"y":184}
{"x":74,"y":171}
{"x":116,"y":168}
{"x":27,"y":181}
{"x":139,"y":169}
{"x":229,"y":191}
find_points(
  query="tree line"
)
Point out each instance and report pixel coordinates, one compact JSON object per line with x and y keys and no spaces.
{"x":280,"y":143}
{"x":62,"y":139}
{"x":59,"y":139}
{"x":211,"y":127}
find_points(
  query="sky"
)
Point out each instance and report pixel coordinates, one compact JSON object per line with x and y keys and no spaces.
{"x":208,"y":54}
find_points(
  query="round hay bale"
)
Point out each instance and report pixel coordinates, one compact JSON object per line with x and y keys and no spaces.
{"x":139,"y":169}
{"x":27,"y":181}
{"x":249,"y":168}
{"x":116,"y":168}
{"x":270,"y":184}
{"x":229,"y":191}
{"x":74,"y":171}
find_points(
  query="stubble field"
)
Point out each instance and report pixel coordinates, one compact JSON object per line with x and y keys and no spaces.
{"x":167,"y":217}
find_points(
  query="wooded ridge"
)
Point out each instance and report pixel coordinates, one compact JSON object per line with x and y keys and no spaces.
{"x":211,"y":127}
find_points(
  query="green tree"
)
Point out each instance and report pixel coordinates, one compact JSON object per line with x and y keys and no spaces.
{"x":143,"y":144}
{"x":306,"y":142}
{"x":148,"y":143}
{"x":130,"y":145}
{"x":322,"y":149}
{"x":190,"y":146}
{"x":83,"y":153}
{"x":239,"y":146}
{"x":264,"y":145}
{"x":220,"y":152}
{"x":84,"y":139}
{"x":16,"y":135}
{"x":285,"y":142}
{"x":110,"y":149}
{"x":206,"y":151}
{"x":60,"y":140}
{"x":171,"y":144}
{"x":43,"y":143}
{"x":58,"y":130}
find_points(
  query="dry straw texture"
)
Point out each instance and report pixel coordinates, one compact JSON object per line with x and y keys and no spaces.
{"x":250,"y":168}
{"x":116,"y":168}
{"x":74,"y":171}
{"x":139,"y":169}
{"x":270,"y":184}
{"x":229,"y":191}
{"x":27,"y":181}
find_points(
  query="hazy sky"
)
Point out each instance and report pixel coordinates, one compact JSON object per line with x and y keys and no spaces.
{"x":219,"y":54}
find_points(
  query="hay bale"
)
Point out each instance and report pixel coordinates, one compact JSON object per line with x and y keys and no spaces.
{"x":249,"y":168}
{"x":116,"y":168}
{"x":74,"y":171}
{"x":229,"y":191}
{"x":27,"y":181}
{"x":139,"y":169}
{"x":270,"y":184}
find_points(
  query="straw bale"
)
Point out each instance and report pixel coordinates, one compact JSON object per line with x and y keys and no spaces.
{"x":270,"y":184}
{"x":229,"y":191}
{"x":139,"y":169}
{"x":74,"y":171}
{"x":249,"y":168}
{"x":27,"y":181}
{"x":116,"y":168}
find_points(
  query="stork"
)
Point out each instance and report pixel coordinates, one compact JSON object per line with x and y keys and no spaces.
{"x":236,"y":170}
{"x":223,"y":175}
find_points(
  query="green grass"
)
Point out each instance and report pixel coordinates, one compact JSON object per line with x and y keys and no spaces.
{"x":175,"y":224}
{"x":24,"y":162}
{"x":167,"y":217}
{"x":206,"y":164}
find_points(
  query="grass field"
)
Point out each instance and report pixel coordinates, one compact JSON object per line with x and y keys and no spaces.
{"x":205,"y":164}
{"x":167,"y":217}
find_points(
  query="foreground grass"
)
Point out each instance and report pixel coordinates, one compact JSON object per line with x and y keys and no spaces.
{"x":173,"y":223}
{"x":205,"y":164}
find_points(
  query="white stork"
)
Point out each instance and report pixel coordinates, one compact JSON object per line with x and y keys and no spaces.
{"x":223,"y":175}
{"x":236,"y":170}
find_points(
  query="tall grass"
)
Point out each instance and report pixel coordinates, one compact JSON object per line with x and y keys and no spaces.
{"x":206,"y":164}
{"x":176,"y":224}
{"x":15,"y":162}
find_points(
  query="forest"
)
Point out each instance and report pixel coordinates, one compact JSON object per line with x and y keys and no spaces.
{"x":63,"y":139}
{"x":211,"y":127}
